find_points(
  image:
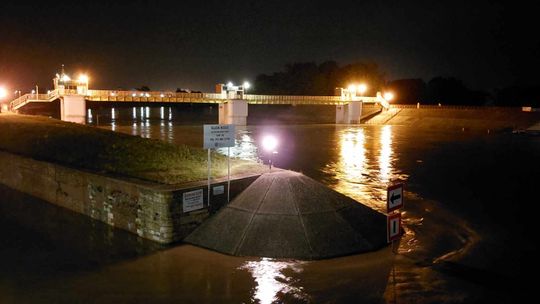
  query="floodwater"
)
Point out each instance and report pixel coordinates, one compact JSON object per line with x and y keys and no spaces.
{"x":469,"y":219}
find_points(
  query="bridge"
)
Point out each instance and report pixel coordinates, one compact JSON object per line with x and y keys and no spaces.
{"x":233,"y":103}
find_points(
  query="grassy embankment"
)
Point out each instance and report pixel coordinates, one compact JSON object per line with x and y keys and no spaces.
{"x":103,"y":151}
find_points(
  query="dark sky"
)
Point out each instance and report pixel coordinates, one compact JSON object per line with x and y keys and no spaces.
{"x":166,"y":45}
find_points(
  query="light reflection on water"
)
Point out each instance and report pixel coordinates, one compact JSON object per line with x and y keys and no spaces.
{"x":365,"y":165}
{"x":271,"y":281}
{"x":244,"y":148}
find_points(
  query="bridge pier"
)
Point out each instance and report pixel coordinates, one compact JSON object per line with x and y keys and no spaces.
{"x":349,"y":113}
{"x":73,"y":108}
{"x":234,"y":111}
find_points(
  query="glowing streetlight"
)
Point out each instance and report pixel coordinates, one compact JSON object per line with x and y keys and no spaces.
{"x":229,"y":84}
{"x":246,"y":85}
{"x":3,"y":93}
{"x":270,"y":144}
{"x":388,"y":96}
{"x":83,"y":78}
{"x":65,"y":78}
{"x":362,"y":88}
{"x":352,"y":89}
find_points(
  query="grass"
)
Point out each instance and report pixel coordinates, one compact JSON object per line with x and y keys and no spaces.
{"x":104,"y":151}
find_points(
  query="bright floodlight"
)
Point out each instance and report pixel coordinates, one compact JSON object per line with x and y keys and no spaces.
{"x":65,"y":78}
{"x":269,"y":143}
{"x":388,"y":96}
{"x":352,"y":88}
{"x":246,"y":85}
{"x":229,"y":84}
{"x":83,"y":78}
{"x":362,"y":88}
{"x":3,"y":93}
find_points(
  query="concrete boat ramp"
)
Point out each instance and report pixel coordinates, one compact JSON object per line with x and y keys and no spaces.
{"x":285,"y":214}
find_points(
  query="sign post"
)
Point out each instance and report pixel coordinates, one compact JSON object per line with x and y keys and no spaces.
{"x":394,"y":197}
{"x":394,"y":202}
{"x":219,"y":136}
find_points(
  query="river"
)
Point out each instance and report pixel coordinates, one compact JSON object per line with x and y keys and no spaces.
{"x":469,"y":220}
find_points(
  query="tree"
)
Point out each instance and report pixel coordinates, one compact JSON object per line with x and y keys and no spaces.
{"x":452,"y":91}
{"x":308,"y":78}
{"x":408,"y":91}
{"x":143,"y":89}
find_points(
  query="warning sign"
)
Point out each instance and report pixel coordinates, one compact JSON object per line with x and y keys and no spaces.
{"x":192,"y":200}
{"x":394,"y":226}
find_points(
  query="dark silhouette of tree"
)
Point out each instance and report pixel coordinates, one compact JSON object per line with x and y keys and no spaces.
{"x":407,"y":91}
{"x":308,"y":78}
{"x":518,"y":96}
{"x":452,"y":91}
{"x":143,"y":89}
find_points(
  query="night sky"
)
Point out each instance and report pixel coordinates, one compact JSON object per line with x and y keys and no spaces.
{"x":487,"y":44}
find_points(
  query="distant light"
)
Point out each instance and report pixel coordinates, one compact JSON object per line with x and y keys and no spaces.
{"x":113,"y":94}
{"x":246,"y":85}
{"x":33,"y":91}
{"x":388,"y":96}
{"x":229,"y":84}
{"x":147,"y":94}
{"x":133,"y":95}
{"x":161,"y":95}
{"x":142,"y":94}
{"x":269,"y":143}
{"x":362,"y":88}
{"x":65,"y":78}
{"x":83,"y":78}
{"x":3,"y":93}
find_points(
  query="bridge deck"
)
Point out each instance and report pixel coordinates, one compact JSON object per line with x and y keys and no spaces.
{"x":181,"y":97}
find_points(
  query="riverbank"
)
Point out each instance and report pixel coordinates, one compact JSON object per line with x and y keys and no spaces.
{"x":453,"y":117}
{"x":103,"y":151}
{"x":151,"y":188}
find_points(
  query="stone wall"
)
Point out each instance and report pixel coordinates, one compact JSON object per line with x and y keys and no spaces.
{"x":152,"y":211}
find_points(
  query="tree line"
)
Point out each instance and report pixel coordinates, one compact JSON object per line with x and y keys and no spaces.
{"x":309,"y":78}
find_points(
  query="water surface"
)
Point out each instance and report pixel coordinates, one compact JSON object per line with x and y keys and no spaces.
{"x":468,"y":238}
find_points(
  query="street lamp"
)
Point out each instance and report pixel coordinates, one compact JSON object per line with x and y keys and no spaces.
{"x":3,"y":93}
{"x":388,"y":96}
{"x":362,"y":88}
{"x":270,"y":144}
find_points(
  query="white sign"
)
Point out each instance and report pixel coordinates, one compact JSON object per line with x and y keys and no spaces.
{"x":218,"y":190}
{"x":394,"y":197}
{"x":192,"y":200}
{"x":394,"y":226}
{"x":218,"y":136}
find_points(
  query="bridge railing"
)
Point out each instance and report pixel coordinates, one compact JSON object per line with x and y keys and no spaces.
{"x":16,"y":103}
{"x":148,"y":96}
{"x":295,"y":99}
{"x":24,"y":99}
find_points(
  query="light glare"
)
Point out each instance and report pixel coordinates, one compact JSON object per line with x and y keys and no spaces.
{"x":269,"y":143}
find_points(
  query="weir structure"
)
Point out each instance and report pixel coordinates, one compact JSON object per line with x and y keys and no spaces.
{"x":233,"y":102}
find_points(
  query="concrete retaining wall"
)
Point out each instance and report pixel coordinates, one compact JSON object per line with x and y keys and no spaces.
{"x":152,"y":211}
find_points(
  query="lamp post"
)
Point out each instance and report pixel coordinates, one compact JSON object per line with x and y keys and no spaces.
{"x":246,"y":86}
{"x":270,"y":144}
{"x":3,"y":94}
{"x":362,"y":89}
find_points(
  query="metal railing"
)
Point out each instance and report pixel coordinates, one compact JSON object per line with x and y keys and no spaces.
{"x":183,"y":97}
{"x":26,"y":98}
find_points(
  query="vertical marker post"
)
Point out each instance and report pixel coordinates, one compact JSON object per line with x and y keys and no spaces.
{"x":228,"y":174}
{"x":209,"y":168}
